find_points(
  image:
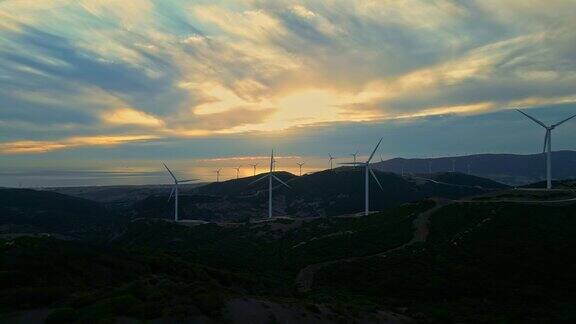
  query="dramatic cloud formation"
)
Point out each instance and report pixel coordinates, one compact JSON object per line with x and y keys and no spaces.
{"x":94,"y":73}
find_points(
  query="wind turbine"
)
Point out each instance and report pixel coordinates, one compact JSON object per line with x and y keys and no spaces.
{"x":367,"y":172}
{"x":218,"y":174}
{"x":547,"y":144}
{"x":300,"y":165}
{"x":355,"y":155}
{"x":237,"y":172}
{"x":175,"y":191}
{"x":331,"y":161}
{"x":254,"y":166}
{"x":270,"y":176}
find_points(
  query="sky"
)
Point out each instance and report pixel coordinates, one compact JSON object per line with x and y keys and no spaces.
{"x":102,"y":91}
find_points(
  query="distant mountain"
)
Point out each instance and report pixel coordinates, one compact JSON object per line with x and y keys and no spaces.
{"x":26,"y":210}
{"x":511,"y":169}
{"x":325,"y":193}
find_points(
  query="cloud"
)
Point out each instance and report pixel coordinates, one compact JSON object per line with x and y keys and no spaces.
{"x":111,"y":68}
{"x":131,"y":116}
{"x":17,"y":147}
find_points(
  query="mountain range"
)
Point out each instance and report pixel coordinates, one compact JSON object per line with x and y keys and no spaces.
{"x":511,"y":169}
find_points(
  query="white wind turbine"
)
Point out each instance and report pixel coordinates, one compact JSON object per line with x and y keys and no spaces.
{"x":547,"y":144}
{"x":331,"y":161}
{"x":175,"y":191}
{"x":254,"y":167}
{"x":237,"y":172}
{"x":355,"y":155}
{"x":368,"y":171}
{"x":300,"y":165}
{"x":218,"y":174}
{"x":270,"y":176}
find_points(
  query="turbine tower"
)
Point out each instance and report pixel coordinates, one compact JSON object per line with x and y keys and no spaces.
{"x":547,"y":144}
{"x":237,"y":172}
{"x":254,"y":167}
{"x":175,"y":191}
{"x":270,"y":176}
{"x":331,"y":161}
{"x":367,"y":173}
{"x":300,"y":165}
{"x":218,"y":174}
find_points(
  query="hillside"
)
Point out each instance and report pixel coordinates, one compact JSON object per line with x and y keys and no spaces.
{"x":482,"y":263}
{"x":504,"y":256}
{"x":86,"y":283}
{"x":556,"y":184}
{"x":280,"y":246}
{"x":25,"y":210}
{"x":511,"y":169}
{"x":325,"y":193}
{"x":120,"y":195}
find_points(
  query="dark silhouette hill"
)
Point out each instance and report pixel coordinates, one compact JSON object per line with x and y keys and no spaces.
{"x":49,"y":212}
{"x":325,"y":193}
{"x":512,"y":169}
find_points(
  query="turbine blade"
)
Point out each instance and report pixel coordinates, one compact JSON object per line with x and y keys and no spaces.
{"x":282,"y":182}
{"x":172,"y":174}
{"x":533,"y":119}
{"x":259,"y":179}
{"x":171,"y":193}
{"x":352,"y":163}
{"x":376,"y":178}
{"x":562,"y":122}
{"x":375,"y":149}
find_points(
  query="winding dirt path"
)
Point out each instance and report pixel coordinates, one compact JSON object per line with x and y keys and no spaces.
{"x":305,"y":278}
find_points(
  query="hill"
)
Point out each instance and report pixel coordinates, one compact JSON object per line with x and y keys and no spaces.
{"x":504,"y":256}
{"x":325,"y":193}
{"x":511,"y":169}
{"x":482,"y":263}
{"x":25,"y":210}
{"x":556,"y":184}
{"x":87,"y":283}
{"x":279,"y":246}
{"x":120,"y":196}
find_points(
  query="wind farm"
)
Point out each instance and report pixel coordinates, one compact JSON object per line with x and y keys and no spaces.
{"x":287,"y":161}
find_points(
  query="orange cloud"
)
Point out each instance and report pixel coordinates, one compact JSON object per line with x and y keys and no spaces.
{"x":130,"y":116}
{"x":18,"y":147}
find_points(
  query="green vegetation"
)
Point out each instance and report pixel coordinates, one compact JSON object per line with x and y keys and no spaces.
{"x":278,"y":247}
{"x":483,"y":263}
{"x":31,"y":211}
{"x":87,"y":282}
